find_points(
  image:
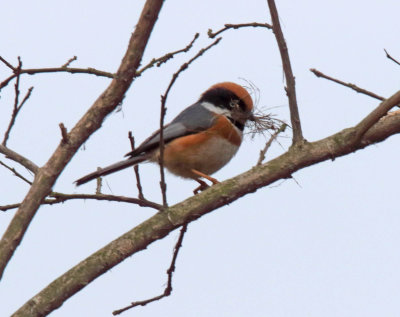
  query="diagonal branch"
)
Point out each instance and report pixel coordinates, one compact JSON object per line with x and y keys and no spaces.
{"x":391,"y":58}
{"x":162,"y":223}
{"x":376,"y":115}
{"x":10,"y":154}
{"x":15,"y":173}
{"x":261,"y":157}
{"x":163,"y":59}
{"x":89,"y":123}
{"x":15,"y":112}
{"x":287,"y":68}
{"x":7,"y":64}
{"x":350,"y":85}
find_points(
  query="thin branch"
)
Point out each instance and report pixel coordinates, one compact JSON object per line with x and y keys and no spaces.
{"x":349,"y":85}
{"x":10,"y":154}
{"x":7,"y":64}
{"x":16,"y":102}
{"x":391,"y":58}
{"x":170,"y":272}
{"x":237,"y":26}
{"x":136,"y":167}
{"x":71,"y":70}
{"x":287,"y":68}
{"x":15,"y":173}
{"x":61,"y":198}
{"x":92,"y":120}
{"x":163,"y":110}
{"x":162,"y":223}
{"x":14,"y":115}
{"x":163,"y":59}
{"x":261,"y":158}
{"x":69,"y":62}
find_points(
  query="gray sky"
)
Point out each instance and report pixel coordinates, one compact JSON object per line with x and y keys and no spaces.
{"x":323,"y":245}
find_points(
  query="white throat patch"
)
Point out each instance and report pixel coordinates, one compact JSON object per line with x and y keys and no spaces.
{"x":215,"y":109}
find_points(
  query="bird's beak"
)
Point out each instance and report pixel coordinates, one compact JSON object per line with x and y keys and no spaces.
{"x":251,"y":117}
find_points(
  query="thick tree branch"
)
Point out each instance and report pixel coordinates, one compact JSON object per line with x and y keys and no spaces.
{"x":219,"y":195}
{"x":376,"y":115}
{"x":90,"y":122}
{"x":287,"y":68}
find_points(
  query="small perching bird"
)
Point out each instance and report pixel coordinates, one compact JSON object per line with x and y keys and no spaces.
{"x":200,"y":140}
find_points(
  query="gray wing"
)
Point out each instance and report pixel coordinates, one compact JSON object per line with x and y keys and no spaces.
{"x":193,"y":119}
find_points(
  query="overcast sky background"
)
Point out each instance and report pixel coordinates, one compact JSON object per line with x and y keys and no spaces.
{"x":323,"y":245}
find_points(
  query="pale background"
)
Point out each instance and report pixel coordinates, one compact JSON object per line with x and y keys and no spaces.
{"x":324,"y":246}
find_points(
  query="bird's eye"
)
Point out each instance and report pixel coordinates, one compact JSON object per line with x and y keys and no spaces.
{"x":234,"y":104}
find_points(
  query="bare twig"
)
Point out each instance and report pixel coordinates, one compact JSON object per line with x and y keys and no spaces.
{"x":170,"y":272}
{"x":391,"y":58}
{"x":237,"y":26}
{"x":64,"y":133}
{"x":163,"y":59}
{"x":287,"y":68}
{"x":15,"y":173}
{"x":71,"y":70}
{"x":69,"y":62}
{"x":7,"y":64}
{"x":261,"y":158}
{"x":28,"y":94}
{"x":10,"y":154}
{"x":15,"y":113}
{"x":136,"y":168}
{"x":163,"y":110}
{"x":350,"y":85}
{"x":16,"y":102}
{"x":57,"y":198}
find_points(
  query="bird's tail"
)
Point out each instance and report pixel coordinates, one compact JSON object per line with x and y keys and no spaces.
{"x":111,"y":169}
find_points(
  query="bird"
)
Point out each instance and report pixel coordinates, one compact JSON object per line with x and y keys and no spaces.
{"x":199,"y":141}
